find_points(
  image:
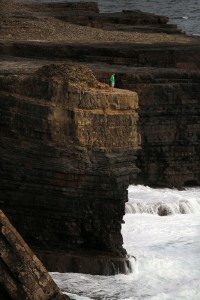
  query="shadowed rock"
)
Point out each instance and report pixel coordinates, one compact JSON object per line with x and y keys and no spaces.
{"x":68,"y":146}
{"x":73,"y":145}
{"x":22,"y":275}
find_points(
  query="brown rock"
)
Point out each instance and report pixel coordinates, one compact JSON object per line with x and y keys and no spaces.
{"x":70,"y":148}
{"x":22,"y":275}
{"x":73,"y":145}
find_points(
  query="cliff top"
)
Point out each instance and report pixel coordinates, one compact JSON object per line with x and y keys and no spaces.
{"x":72,"y":73}
{"x":19,"y":21}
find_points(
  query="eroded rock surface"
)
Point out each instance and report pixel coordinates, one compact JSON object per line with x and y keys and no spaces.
{"x":68,"y":149}
{"x":169,"y":122}
{"x":22,"y":275}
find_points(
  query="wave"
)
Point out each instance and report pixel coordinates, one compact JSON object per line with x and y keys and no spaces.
{"x":163,"y":209}
{"x":162,"y":202}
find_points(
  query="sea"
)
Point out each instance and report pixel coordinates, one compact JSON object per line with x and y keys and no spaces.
{"x":167,"y":248}
{"x":184,"y":13}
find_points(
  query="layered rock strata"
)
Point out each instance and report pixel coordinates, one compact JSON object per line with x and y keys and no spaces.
{"x":69,"y":148}
{"x":166,"y":78}
{"x":67,"y":157}
{"x":169,"y":125}
{"x":87,"y":14}
{"x":22,"y":275}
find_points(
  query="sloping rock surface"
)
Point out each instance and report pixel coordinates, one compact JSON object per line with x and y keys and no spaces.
{"x":22,"y":275}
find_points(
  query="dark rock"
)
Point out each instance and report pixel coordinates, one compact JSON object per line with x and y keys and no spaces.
{"x":22,"y":275}
{"x":169,"y":125}
{"x":87,"y":14}
{"x":67,"y":157}
{"x":167,"y":80}
{"x":69,"y":148}
{"x":80,"y":261}
{"x":164,"y":210}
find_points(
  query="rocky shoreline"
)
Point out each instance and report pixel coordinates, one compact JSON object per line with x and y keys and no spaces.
{"x":57,"y":23}
{"x":70,"y":147}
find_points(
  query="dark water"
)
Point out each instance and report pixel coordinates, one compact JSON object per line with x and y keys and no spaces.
{"x":184,"y":13}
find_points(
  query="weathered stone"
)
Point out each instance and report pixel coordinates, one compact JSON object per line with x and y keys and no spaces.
{"x":169,"y":125}
{"x":87,"y":14}
{"x":166,"y":78}
{"x":22,"y":275}
{"x":68,"y":149}
{"x":85,"y":262}
{"x":114,"y":54}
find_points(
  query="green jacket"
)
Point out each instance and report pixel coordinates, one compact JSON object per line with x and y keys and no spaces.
{"x":112,"y":78}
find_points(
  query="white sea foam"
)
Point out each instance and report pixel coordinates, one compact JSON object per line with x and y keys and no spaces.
{"x":162,"y":202}
{"x":167,"y":251}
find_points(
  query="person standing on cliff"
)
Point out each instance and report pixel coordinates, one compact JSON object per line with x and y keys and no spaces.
{"x":112,"y":81}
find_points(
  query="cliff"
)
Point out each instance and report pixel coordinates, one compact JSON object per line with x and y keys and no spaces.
{"x":166,"y":78}
{"x":68,"y":149}
{"x":169,"y":125}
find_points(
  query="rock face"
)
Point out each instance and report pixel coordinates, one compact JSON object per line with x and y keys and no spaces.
{"x":87,"y":14}
{"x":67,"y":157}
{"x":169,"y":126}
{"x":22,"y":275}
{"x":70,"y":148}
{"x":167,"y":80}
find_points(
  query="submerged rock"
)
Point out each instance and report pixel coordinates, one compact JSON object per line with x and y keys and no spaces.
{"x":164,"y":210}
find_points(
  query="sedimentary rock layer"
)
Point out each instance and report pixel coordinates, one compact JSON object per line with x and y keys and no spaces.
{"x":166,"y":78}
{"x":69,"y":148}
{"x":22,"y":275}
{"x":67,"y":157}
{"x":169,"y":125}
{"x":87,"y":14}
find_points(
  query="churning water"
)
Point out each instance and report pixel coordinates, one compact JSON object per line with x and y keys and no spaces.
{"x":167,"y":249}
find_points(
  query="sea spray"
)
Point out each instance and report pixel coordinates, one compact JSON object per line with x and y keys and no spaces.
{"x":161,"y":202}
{"x":167,"y":250}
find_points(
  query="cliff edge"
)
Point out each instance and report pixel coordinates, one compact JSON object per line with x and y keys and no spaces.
{"x":67,"y":153}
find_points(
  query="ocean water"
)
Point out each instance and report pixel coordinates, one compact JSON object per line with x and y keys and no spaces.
{"x":167,"y":249}
{"x":184,"y":13}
